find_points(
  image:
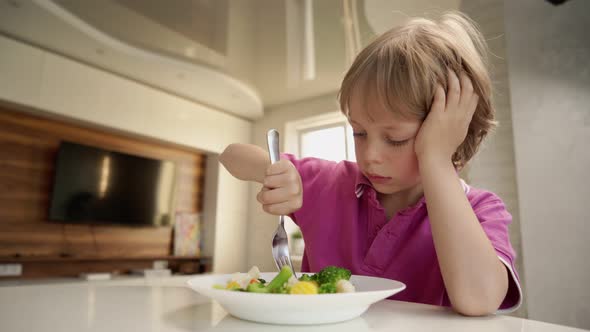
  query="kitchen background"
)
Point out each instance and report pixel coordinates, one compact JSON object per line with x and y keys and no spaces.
{"x":197,"y":75}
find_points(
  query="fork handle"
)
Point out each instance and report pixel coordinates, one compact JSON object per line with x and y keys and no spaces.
{"x":272,"y":139}
{"x":282,"y":220}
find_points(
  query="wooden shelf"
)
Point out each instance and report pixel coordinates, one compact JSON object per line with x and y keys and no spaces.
{"x":57,"y":266}
{"x":29,"y":147}
{"x":13,"y":259}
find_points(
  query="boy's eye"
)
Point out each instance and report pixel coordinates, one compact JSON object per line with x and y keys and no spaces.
{"x":359,"y":134}
{"x":397,"y":143}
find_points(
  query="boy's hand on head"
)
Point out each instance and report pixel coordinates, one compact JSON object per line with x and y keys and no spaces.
{"x":282,"y":193}
{"x":446,"y":125}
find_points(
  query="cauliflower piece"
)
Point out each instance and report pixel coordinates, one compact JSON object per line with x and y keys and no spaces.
{"x":292,"y":281}
{"x":254,"y":272}
{"x":244,"y":279}
{"x":344,"y":286}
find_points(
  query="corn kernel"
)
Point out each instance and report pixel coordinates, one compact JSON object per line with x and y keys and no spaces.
{"x":232,"y":285}
{"x":304,"y":288}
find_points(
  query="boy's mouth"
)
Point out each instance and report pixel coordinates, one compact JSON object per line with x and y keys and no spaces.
{"x":374,"y":178}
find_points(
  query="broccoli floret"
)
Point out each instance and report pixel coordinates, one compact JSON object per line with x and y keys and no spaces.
{"x":306,"y":277}
{"x":331,"y":275}
{"x":281,"y":290}
{"x":327,"y":288}
{"x":257,"y":288}
{"x":276,"y":285}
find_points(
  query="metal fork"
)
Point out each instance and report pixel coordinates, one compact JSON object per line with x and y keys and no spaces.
{"x":280,"y":241}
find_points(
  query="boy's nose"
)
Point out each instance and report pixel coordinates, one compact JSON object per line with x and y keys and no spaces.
{"x":372,"y":153}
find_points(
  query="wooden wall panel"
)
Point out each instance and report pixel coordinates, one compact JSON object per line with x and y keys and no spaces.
{"x":28,"y":150}
{"x":31,"y":239}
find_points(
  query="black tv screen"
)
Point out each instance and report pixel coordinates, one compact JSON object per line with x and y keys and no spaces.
{"x":96,"y":186}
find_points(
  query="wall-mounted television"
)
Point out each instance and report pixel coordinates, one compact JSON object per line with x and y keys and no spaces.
{"x":98,"y":186}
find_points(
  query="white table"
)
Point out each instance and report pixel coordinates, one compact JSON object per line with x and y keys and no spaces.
{"x":167,"y":305}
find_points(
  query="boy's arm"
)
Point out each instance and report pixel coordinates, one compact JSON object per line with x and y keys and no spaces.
{"x":245,"y":161}
{"x":282,"y":193}
{"x":475,"y":279}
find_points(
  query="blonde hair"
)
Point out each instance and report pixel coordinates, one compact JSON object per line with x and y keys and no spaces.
{"x":405,"y":64}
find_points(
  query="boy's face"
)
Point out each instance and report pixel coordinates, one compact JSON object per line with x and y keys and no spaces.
{"x":384,"y":145}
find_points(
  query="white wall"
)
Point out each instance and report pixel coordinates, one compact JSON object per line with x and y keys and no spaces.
{"x":263,"y":225}
{"x":494,"y":167}
{"x":548,"y":58}
{"x":62,"y":87}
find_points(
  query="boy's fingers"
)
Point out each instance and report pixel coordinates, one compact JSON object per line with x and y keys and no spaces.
{"x":279,"y":180}
{"x":439,"y":102}
{"x":284,"y":208}
{"x":273,"y":181}
{"x":272,"y":169}
{"x":279,"y":167}
{"x":274,"y":196}
{"x":466,"y":90}
{"x":263,"y":189}
{"x":454,"y":90}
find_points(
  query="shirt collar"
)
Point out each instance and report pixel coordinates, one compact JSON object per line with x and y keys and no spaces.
{"x":361,"y":183}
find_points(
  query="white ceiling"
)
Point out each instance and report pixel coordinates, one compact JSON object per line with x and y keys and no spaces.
{"x":227,"y":54}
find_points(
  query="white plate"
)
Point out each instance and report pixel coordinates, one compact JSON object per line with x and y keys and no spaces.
{"x":297,"y":309}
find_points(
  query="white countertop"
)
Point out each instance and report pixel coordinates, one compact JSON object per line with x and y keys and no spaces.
{"x":168,"y":305}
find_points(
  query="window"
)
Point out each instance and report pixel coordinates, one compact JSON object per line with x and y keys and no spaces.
{"x":328,"y":136}
{"x":333,"y":142}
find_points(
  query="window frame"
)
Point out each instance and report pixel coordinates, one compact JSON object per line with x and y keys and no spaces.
{"x":294,"y":131}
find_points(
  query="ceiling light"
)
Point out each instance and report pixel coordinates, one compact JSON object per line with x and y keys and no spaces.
{"x":300,"y":41}
{"x":13,"y":3}
{"x":352,"y":38}
{"x":308,"y":42}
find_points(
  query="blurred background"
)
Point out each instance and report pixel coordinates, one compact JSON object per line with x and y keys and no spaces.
{"x":180,"y":80}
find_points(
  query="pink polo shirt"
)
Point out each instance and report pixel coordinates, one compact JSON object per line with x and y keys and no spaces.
{"x":344,"y":224}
